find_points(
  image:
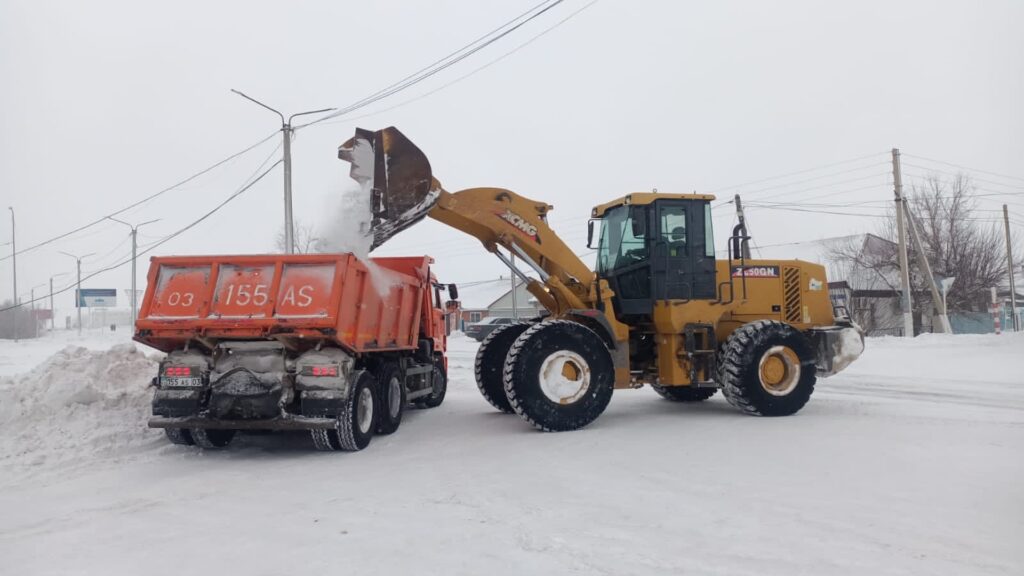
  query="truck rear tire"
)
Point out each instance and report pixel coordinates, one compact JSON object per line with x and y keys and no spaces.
{"x":212,"y":439}
{"x":684,"y":393}
{"x":392,"y":395}
{"x":559,"y":376}
{"x":353,"y":428}
{"x":490,"y":362}
{"x":440,"y":389}
{"x":767,"y":369}
{"x":179,"y":436}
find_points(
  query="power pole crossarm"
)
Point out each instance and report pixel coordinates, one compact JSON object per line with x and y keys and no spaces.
{"x":905,"y":302}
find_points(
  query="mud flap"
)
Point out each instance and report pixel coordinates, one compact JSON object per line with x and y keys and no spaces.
{"x":397,"y":175}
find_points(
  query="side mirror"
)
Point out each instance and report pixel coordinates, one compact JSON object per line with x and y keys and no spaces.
{"x":453,"y":292}
{"x":638,"y":217}
{"x":590,"y":233}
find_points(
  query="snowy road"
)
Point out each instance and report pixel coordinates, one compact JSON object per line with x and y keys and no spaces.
{"x":908,"y":463}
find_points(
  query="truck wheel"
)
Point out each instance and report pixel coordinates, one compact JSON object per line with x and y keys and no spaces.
{"x":490,"y":362}
{"x":180,"y":436}
{"x":440,"y":389}
{"x":768,"y":369}
{"x":354,"y":427}
{"x":684,"y":393}
{"x":392,"y":394}
{"x":559,"y":376}
{"x":212,"y":439}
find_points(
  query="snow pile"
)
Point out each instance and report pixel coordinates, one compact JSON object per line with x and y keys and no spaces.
{"x":77,"y":405}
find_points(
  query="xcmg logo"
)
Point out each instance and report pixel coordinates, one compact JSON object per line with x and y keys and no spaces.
{"x":520,"y":223}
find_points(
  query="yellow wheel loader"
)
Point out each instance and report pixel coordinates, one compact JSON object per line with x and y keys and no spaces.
{"x":660,"y":309}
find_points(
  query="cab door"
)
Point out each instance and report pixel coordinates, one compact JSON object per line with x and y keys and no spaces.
{"x":683,"y":261}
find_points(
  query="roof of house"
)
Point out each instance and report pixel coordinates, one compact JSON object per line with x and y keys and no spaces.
{"x":480,"y":295}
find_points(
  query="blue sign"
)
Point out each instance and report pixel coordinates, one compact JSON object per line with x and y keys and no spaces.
{"x":96,"y":298}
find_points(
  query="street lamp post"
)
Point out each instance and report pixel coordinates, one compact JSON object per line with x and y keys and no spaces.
{"x":135,"y":244}
{"x":53,"y":311}
{"x":287,"y":131}
{"x":78,"y":290}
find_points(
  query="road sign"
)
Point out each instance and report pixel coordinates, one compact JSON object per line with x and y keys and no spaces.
{"x":96,"y":298}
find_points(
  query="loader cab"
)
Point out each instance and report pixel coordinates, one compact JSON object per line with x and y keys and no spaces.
{"x":656,"y":247}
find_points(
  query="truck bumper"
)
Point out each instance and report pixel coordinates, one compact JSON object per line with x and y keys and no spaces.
{"x":279,"y":423}
{"x":836,"y":347}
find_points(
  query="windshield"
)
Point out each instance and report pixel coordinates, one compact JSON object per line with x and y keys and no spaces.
{"x":618,"y":247}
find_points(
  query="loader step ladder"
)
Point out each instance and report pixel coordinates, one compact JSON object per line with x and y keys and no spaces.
{"x":702,"y":352}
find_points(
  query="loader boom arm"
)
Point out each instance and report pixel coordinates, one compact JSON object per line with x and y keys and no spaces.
{"x":499,"y":217}
{"x":403,"y":191}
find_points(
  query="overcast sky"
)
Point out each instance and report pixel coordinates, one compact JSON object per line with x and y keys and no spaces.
{"x":107,"y":102}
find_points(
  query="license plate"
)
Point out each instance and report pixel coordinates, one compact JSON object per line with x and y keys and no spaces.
{"x":182,"y":381}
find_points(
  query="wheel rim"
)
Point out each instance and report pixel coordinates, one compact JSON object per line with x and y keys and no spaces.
{"x":364,"y":410}
{"x":779,"y":370}
{"x":564,"y":377}
{"x":394,"y":397}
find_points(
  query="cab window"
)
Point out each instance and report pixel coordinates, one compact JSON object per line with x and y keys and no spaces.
{"x":618,"y":247}
{"x":673,"y":229}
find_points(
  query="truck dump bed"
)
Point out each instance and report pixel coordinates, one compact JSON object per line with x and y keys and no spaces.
{"x":296,"y":299}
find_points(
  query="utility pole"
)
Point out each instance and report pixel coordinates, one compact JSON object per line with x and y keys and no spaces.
{"x":1009,"y":270}
{"x":32,"y":299}
{"x":78,"y":291}
{"x":135,"y":245}
{"x":53,"y":311}
{"x":14,"y":266}
{"x":905,"y":301}
{"x":744,"y":244}
{"x":287,"y":131}
{"x":938,"y":300}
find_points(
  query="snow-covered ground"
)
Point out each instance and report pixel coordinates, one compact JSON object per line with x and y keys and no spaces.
{"x":910,"y":462}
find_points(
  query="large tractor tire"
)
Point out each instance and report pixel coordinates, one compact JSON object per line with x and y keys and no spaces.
{"x":392,"y":395}
{"x":767,"y":369}
{"x":436,"y":397}
{"x":212,"y":439}
{"x":684,"y":393}
{"x":490,"y":362}
{"x":354,"y":427}
{"x":559,"y":376}
{"x":179,"y":436}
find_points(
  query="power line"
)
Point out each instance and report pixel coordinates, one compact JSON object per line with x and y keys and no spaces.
{"x":144,"y":200}
{"x":471,"y":73}
{"x":797,"y":173}
{"x":446,"y":62}
{"x":1018,"y":178}
{"x":155,"y":245}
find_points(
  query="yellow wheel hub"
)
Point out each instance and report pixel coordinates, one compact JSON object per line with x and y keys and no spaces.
{"x":779,"y":370}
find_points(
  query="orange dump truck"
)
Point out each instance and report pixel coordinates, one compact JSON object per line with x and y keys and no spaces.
{"x":326,"y":343}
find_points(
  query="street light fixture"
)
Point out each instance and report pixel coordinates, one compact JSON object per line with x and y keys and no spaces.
{"x":78,"y":291}
{"x":287,"y":131}
{"x":135,"y":244}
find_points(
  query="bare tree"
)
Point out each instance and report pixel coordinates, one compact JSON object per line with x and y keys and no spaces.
{"x":306,"y":240}
{"x":959,"y":240}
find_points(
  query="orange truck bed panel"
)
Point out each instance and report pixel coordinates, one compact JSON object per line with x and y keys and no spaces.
{"x":287,"y":297}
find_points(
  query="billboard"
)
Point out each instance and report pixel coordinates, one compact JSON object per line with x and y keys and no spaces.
{"x":96,"y":298}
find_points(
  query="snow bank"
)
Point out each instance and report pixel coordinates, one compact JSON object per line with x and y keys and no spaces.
{"x":77,"y":405}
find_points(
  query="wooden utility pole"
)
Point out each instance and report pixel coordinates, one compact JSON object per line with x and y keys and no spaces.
{"x":905,"y":301}
{"x":1009,"y":268}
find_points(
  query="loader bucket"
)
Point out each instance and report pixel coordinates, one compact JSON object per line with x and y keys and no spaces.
{"x":397,"y":176}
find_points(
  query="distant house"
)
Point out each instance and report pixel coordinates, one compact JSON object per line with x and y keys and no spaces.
{"x":478,"y":300}
{"x":856,"y":281}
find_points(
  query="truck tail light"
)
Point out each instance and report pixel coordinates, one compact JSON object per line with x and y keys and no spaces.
{"x":328,"y":370}
{"x":177,"y":371}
